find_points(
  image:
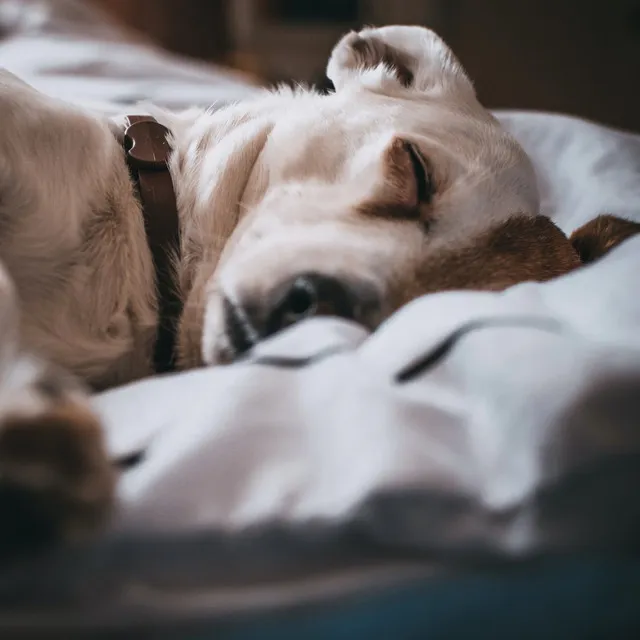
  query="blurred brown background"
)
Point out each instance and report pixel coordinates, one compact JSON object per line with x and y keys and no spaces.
{"x":576,"y":56}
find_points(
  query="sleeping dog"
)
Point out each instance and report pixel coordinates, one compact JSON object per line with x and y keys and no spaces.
{"x":397,"y":184}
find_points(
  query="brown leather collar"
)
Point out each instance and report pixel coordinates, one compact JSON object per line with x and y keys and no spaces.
{"x":147,"y":152}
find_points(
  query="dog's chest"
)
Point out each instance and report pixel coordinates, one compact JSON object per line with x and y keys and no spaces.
{"x":75,"y":248}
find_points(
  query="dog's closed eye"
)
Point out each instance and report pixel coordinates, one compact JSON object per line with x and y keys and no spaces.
{"x":407,"y":185}
{"x":424,"y":184}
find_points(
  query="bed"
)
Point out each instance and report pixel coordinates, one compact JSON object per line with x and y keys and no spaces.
{"x":471,"y":468}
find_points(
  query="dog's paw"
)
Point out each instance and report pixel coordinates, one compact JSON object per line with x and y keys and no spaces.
{"x":56,"y":482}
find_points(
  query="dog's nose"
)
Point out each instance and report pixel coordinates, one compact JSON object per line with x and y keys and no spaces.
{"x":305,"y":296}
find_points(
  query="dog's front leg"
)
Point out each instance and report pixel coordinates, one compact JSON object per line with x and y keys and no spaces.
{"x":56,"y":482}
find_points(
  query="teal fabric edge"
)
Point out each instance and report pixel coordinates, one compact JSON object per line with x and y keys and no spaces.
{"x":569,"y":600}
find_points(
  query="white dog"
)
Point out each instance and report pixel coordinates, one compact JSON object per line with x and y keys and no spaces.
{"x":397,"y":184}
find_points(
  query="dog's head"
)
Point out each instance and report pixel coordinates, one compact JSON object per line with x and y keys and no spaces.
{"x":397,"y":184}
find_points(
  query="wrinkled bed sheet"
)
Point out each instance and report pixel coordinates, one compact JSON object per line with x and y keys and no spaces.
{"x":469,"y":425}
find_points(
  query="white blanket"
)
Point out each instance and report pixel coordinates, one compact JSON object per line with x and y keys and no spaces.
{"x":476,"y":423}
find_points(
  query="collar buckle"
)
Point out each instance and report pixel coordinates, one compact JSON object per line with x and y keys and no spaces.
{"x":146,"y":145}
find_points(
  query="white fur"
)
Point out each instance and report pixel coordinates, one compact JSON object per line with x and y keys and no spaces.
{"x":263,"y":188}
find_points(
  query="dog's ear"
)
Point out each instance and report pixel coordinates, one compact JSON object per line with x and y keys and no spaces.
{"x":397,"y":57}
{"x":596,"y":238}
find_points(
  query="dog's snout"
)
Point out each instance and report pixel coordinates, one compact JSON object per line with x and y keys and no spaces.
{"x":249,"y":320}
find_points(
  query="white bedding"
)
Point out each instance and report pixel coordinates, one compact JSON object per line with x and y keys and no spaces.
{"x":514,"y":432}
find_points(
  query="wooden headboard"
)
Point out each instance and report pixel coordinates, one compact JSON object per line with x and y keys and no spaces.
{"x":197,"y":28}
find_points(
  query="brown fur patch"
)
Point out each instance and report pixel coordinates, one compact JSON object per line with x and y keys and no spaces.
{"x":596,"y":238}
{"x":521,"y":249}
{"x":57,"y":481}
{"x":64,"y":437}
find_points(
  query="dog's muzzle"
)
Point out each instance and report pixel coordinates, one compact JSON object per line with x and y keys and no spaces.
{"x":252,"y":318}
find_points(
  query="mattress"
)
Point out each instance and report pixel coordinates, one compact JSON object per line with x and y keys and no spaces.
{"x":471,"y":429}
